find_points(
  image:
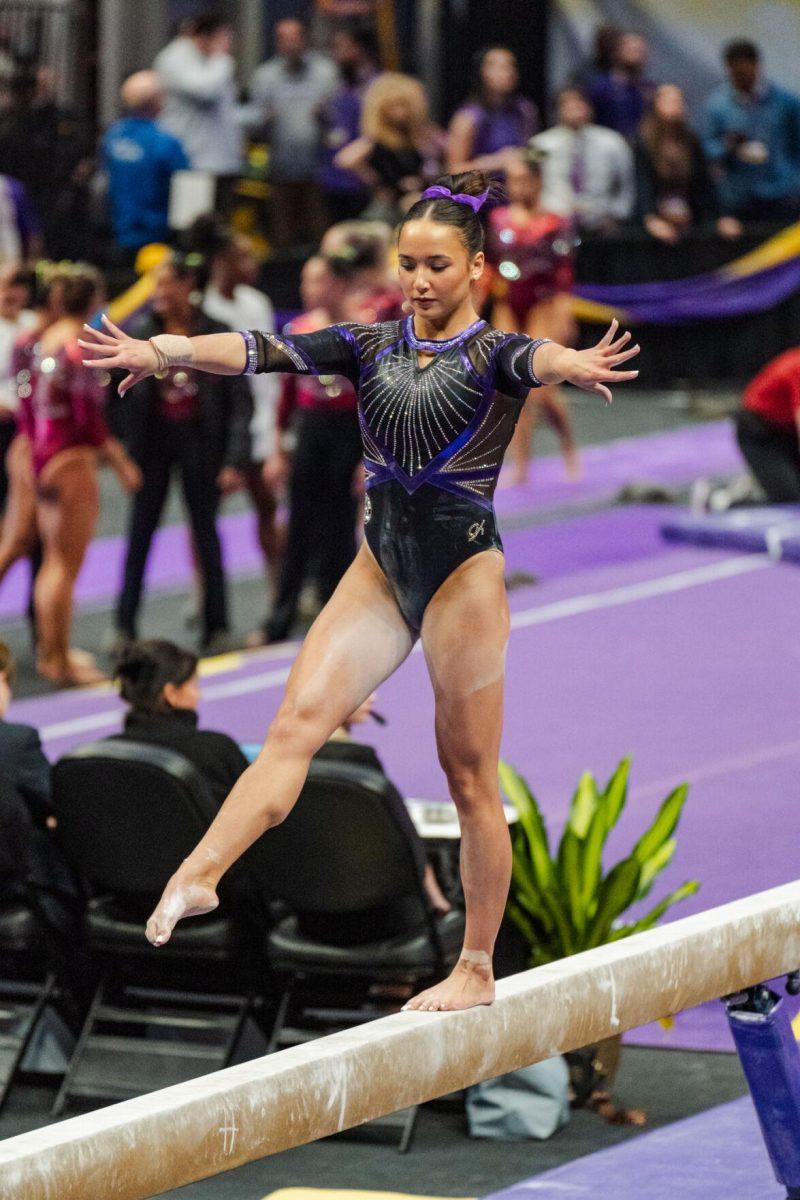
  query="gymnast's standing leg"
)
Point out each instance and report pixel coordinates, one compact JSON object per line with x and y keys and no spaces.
{"x":464,"y":636}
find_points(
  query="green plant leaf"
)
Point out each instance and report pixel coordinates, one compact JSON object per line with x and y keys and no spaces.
{"x":616,"y":793}
{"x":523,"y":923}
{"x":654,"y":866}
{"x":617,"y":893}
{"x":570,"y":858}
{"x":654,"y":916}
{"x":592,"y":865}
{"x":663,"y":827}
{"x":531,"y":821}
{"x":527,"y":894}
{"x":583,"y":806}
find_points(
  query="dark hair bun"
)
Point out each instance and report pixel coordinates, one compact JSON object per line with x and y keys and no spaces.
{"x":463,"y":217}
{"x":145,"y":667}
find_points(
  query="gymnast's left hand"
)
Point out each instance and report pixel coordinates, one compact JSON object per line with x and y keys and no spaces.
{"x":111,"y":348}
{"x":594,"y":369}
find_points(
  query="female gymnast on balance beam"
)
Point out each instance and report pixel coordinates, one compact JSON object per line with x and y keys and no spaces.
{"x":439,"y":395}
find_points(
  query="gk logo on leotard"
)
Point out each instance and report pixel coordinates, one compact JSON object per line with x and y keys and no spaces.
{"x":367,"y":509}
{"x":476,"y":529}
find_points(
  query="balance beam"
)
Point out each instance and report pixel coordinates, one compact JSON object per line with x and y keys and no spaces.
{"x":146,"y":1146}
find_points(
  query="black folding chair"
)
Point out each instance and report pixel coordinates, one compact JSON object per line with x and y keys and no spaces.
{"x":128,"y":814}
{"x":341,"y":857}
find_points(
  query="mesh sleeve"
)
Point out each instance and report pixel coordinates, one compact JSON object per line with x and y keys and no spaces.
{"x":513,"y":365}
{"x":332,"y":351}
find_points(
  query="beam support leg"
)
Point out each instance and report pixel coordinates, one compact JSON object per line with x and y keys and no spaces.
{"x":770,"y":1059}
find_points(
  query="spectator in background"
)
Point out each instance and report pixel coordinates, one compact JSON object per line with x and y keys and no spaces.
{"x":290,"y":92}
{"x":324,"y":461}
{"x":497,"y":119}
{"x":604,"y":49}
{"x":61,"y":415}
{"x":197,"y":423}
{"x":399,"y":149}
{"x":32,"y":865}
{"x":530,"y":255}
{"x":140,"y":159}
{"x":197,"y":74}
{"x":232,"y":299}
{"x":160,"y":684}
{"x":20,"y":230}
{"x":16,"y":292}
{"x":375,"y":293}
{"x":587,"y":170}
{"x":51,"y":152}
{"x":768,"y":428}
{"x":674,"y":190}
{"x":619,"y":95}
{"x":22,"y":760}
{"x":752,"y":139}
{"x":355,"y":51}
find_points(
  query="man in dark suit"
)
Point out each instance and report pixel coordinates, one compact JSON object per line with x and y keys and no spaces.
{"x":22,"y":760}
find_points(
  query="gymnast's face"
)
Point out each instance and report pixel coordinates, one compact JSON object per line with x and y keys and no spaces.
{"x":435,"y":268}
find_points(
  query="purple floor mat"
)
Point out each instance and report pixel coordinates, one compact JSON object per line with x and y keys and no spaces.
{"x":717,"y":1156}
{"x":669,"y":458}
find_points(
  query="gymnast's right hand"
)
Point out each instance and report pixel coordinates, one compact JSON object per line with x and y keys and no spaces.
{"x":111,"y":348}
{"x":184,"y":896}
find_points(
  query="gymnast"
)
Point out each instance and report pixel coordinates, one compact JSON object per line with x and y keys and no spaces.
{"x":439,"y":395}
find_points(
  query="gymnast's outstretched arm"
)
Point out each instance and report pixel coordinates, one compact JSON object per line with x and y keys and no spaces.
{"x":527,"y":362}
{"x":328,"y":351}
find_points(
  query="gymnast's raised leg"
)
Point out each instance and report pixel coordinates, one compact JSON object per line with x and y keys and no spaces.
{"x":464,"y":636}
{"x":356,"y":642}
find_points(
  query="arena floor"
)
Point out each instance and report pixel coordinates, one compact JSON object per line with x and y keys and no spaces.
{"x":623,"y":644}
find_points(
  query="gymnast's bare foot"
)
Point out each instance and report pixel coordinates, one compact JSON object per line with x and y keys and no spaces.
{"x":470,"y":984}
{"x":70,"y":672}
{"x":183,"y":897}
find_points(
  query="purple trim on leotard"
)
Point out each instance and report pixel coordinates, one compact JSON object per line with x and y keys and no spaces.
{"x":251,"y":351}
{"x":434,"y":346}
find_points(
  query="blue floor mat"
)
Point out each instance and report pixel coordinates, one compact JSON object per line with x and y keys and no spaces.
{"x":768,"y":529}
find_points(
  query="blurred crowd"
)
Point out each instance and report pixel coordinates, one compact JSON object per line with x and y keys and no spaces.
{"x":345,"y":138}
{"x":346,"y":147}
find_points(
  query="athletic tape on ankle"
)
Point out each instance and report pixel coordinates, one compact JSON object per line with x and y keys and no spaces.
{"x":172,"y":350}
{"x":479,"y":957}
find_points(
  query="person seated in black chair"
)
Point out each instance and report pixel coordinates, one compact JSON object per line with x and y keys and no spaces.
{"x":341,"y":748}
{"x":160,"y":683}
{"x":22,"y":761}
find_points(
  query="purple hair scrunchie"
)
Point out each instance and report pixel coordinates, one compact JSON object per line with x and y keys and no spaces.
{"x":438,"y":192}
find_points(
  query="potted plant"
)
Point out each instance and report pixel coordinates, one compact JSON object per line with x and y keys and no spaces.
{"x":565,"y":902}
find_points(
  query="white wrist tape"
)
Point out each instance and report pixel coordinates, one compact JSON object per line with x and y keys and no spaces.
{"x":172,"y":350}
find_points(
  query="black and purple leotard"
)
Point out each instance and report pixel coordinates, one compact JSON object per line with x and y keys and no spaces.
{"x":434,"y":437}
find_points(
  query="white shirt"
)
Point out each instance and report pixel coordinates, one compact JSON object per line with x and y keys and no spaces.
{"x":249,"y":308}
{"x":9,"y":332}
{"x":200,"y":106}
{"x":607,"y":190}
